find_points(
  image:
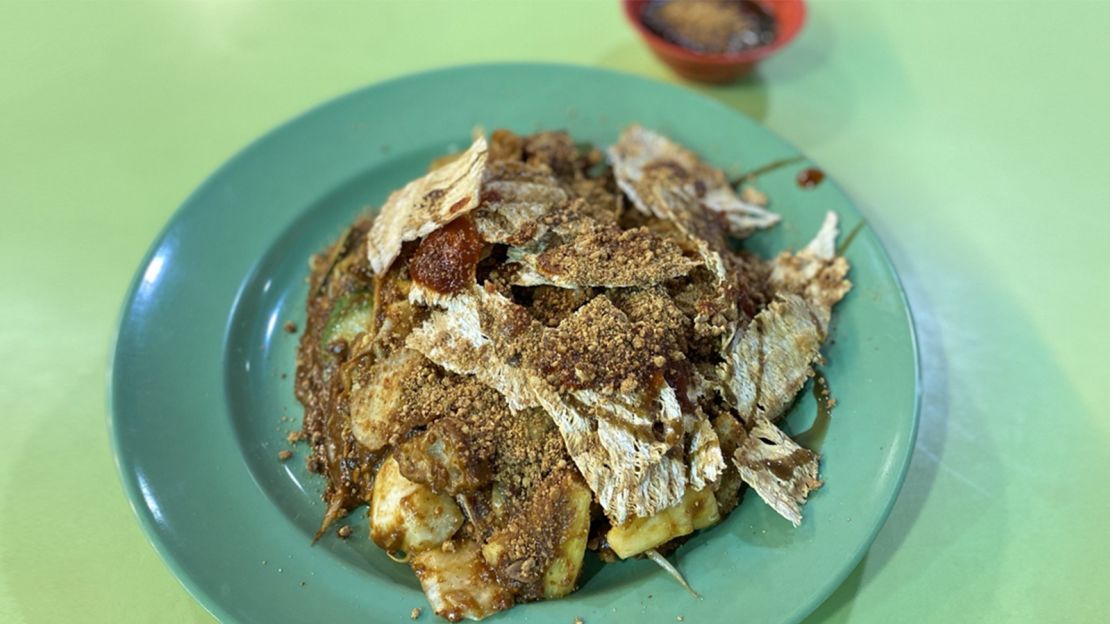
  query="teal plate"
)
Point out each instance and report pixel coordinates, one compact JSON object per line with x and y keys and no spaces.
{"x":202,"y":378}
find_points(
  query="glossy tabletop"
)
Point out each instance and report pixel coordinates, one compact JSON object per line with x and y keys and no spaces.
{"x":973,"y":136}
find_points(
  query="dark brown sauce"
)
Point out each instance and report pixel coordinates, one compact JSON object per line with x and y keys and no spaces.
{"x":489,"y":196}
{"x":714,"y":27}
{"x":677,"y":376}
{"x":767,"y":168}
{"x":634,"y":430}
{"x":849,"y":238}
{"x":348,"y":466}
{"x":811,"y":177}
{"x":813,"y":437}
{"x":784,"y":468}
{"x":446,"y":260}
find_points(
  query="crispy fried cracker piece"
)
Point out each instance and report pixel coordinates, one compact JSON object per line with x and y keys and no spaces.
{"x":770,"y":359}
{"x":768,"y":362}
{"x":515,"y":197}
{"x":425,"y":204}
{"x":639,"y":152}
{"x":780,"y":471}
{"x":815,"y":273}
{"x":622,"y":444}
{"x":609,"y":257}
{"x":695,"y":201}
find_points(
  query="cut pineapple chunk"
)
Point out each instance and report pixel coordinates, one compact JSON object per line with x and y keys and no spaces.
{"x":562,"y":575}
{"x":458,"y":583}
{"x":409,"y":516}
{"x":697,"y":510}
{"x":537,"y":553}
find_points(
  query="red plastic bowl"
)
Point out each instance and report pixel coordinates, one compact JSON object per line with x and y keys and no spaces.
{"x":719,"y":68}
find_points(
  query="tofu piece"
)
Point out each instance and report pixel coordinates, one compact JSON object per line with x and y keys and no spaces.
{"x":697,"y":510}
{"x":458,"y":583}
{"x":409,"y":516}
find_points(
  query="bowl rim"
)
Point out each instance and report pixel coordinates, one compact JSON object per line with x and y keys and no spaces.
{"x":632,"y":14}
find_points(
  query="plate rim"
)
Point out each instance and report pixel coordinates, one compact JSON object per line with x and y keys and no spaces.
{"x":123,"y":463}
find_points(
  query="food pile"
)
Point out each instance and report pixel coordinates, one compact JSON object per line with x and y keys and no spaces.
{"x":536,"y":350}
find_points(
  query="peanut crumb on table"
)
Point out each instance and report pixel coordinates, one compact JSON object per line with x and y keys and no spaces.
{"x":415,"y":613}
{"x":284,"y":455}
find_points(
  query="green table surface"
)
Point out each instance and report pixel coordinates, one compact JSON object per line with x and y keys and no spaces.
{"x":974,"y":135}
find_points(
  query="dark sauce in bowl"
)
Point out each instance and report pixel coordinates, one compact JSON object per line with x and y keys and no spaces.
{"x":711,"y":26}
